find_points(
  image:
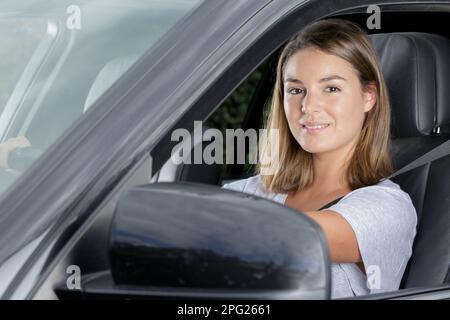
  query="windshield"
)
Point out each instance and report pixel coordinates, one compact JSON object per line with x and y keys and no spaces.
{"x":58,"y":57}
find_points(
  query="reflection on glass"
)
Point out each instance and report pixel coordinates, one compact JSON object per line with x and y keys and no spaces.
{"x":56,"y":60}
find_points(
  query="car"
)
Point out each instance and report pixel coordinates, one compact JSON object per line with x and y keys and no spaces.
{"x":93,"y":206}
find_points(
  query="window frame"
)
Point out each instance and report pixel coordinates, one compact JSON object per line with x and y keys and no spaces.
{"x":27,"y":80}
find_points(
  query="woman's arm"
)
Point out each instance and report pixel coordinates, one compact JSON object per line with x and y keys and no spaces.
{"x":340,"y":236}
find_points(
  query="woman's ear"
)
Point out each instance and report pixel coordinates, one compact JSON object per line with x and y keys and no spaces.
{"x":370,"y":96}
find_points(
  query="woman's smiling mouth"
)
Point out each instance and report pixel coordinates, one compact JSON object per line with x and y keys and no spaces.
{"x":315,"y":128}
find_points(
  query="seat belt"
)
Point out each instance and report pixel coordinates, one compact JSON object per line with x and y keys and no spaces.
{"x":330,"y":203}
{"x":438,"y":152}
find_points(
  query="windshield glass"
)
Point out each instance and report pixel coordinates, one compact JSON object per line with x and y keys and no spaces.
{"x":58,"y":57}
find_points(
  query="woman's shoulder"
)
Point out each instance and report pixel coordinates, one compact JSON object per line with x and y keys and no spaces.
{"x":385,"y":197}
{"x":386,"y":187}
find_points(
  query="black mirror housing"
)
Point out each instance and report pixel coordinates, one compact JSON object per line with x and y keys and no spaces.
{"x":198,"y":238}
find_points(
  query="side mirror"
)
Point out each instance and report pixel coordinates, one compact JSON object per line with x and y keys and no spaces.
{"x":198,"y":240}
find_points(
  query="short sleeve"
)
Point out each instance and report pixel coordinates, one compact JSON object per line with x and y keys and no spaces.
{"x":238,"y":185}
{"x":253,"y":186}
{"x":384,"y":221}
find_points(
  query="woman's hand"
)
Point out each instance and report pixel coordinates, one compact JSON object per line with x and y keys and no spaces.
{"x":10,"y":145}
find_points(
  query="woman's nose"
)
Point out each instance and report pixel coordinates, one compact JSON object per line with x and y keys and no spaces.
{"x":310,"y":103}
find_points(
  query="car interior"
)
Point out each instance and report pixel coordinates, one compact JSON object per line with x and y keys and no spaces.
{"x":416,"y":66}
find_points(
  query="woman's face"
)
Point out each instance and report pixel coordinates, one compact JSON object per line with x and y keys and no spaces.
{"x":323,"y":101}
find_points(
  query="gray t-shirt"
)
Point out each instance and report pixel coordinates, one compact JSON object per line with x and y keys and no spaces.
{"x":384,"y":221}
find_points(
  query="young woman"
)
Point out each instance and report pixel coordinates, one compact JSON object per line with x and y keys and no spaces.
{"x":331,"y":108}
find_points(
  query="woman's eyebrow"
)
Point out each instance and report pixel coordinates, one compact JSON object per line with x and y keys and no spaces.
{"x":292,"y":80}
{"x":327,"y":78}
{"x":332,"y":77}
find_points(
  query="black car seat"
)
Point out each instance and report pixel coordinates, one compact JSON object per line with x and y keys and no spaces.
{"x":417,"y":71}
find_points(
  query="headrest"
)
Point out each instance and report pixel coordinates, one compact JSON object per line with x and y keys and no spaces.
{"x":107,"y":76}
{"x":416,"y":67}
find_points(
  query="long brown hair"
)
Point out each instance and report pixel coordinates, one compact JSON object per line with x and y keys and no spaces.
{"x":372,"y":160}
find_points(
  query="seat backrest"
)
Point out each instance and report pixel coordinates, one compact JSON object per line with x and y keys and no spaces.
{"x":416,"y":67}
{"x":110,"y":72}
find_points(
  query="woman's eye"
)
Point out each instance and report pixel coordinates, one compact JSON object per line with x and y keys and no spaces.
{"x":295,"y":91}
{"x":332,"y":89}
